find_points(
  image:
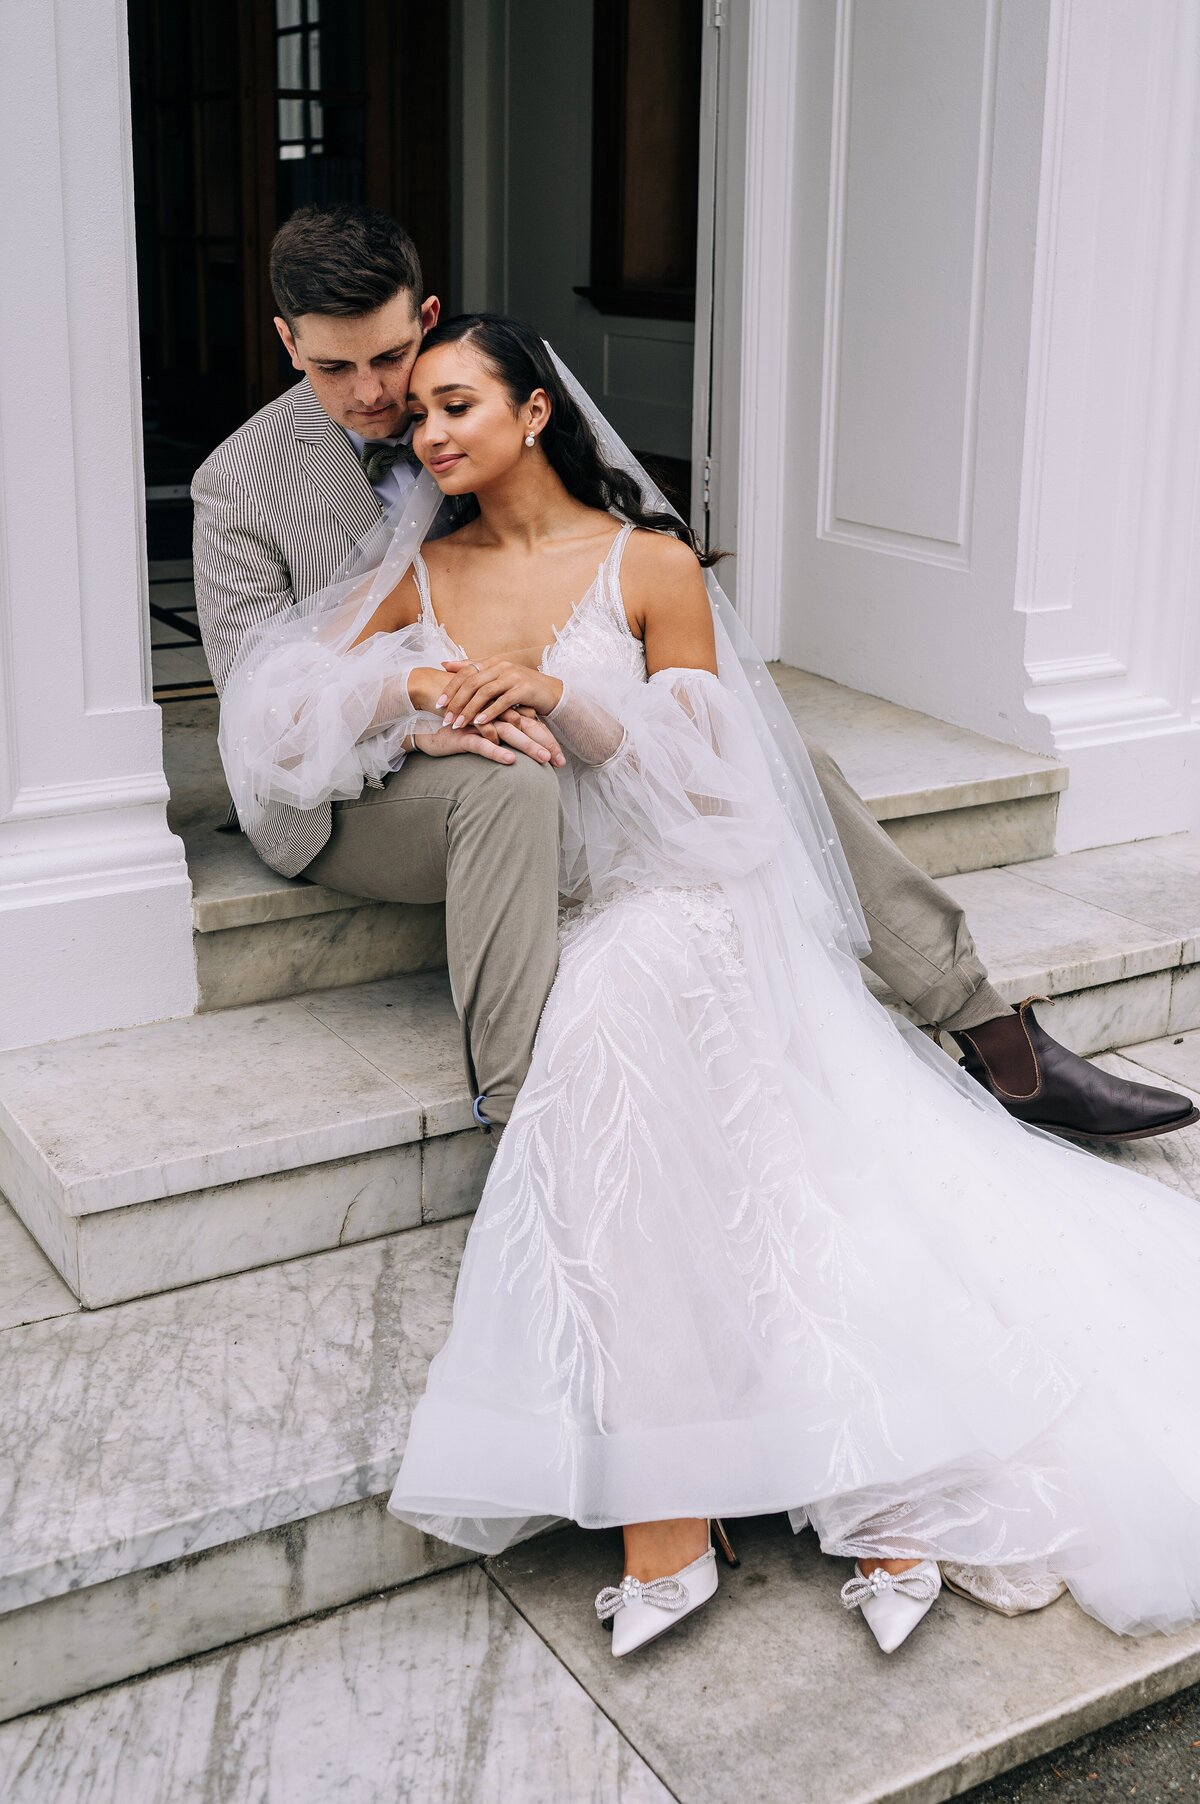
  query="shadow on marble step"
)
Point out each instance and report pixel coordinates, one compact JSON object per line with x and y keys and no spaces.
{"x":774,"y":1693}
{"x":160,"y":1156}
{"x":957,"y":840}
{"x":196,"y":1467}
{"x":360,"y":942}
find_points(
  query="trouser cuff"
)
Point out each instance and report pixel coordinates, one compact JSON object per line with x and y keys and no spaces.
{"x":984,"y":1004}
{"x":493,"y":1110}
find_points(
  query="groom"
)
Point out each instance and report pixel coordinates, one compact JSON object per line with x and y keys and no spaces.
{"x":278,"y":507}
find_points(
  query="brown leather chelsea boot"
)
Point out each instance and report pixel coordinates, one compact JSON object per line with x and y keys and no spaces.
{"x":1041,"y":1082}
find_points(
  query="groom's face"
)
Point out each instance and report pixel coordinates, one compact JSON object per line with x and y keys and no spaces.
{"x":359,"y":367}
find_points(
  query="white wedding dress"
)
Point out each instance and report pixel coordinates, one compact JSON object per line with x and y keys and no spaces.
{"x":746,"y":1246}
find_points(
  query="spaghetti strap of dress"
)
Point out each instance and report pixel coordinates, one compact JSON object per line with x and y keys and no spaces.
{"x":420,"y":571}
{"x":608,"y":577}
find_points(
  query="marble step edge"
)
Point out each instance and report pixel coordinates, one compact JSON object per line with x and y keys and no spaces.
{"x":360,"y":942}
{"x":385,"y":1164}
{"x":1163,"y":1667}
{"x":1100,"y":1008}
{"x":119,"y":1255}
{"x":124,"y":1627}
{"x":152,"y":1447}
{"x":938,"y":1766}
{"x":969,"y":792}
{"x":245,"y":954}
{"x":155,"y":1157}
{"x":376,"y":1066}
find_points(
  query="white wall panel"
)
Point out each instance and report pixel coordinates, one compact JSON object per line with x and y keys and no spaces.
{"x":918,"y":153}
{"x":912,"y":134}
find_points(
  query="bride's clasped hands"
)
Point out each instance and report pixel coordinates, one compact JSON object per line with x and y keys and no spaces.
{"x":479,"y":693}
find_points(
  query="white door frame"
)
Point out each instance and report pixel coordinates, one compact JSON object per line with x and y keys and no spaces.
{"x":744,"y":293}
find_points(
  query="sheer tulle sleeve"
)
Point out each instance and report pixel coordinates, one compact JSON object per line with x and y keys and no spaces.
{"x":664,"y":784}
{"x":308,"y":721}
{"x":308,"y":714}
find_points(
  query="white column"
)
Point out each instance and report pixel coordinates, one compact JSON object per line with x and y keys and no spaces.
{"x":1109,"y":573}
{"x":95,"y":916}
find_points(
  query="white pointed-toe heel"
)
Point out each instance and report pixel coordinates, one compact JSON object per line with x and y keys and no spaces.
{"x":641,"y":1612}
{"x":893,"y":1603}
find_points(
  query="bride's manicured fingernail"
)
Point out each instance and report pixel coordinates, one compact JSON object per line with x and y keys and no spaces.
{"x":441,"y":701}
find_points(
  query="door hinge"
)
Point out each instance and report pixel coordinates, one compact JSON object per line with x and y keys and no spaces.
{"x":707,"y":481}
{"x":718,"y":13}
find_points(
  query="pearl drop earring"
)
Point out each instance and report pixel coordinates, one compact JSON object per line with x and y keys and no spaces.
{"x":530,"y":440}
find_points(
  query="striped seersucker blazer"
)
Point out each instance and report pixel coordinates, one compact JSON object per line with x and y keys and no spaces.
{"x":278,"y":506}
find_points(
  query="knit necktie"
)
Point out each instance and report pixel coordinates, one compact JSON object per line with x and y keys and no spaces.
{"x":378,"y":457}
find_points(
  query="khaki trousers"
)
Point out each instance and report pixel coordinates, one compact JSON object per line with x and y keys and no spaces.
{"x":920,"y":942}
{"x":483,"y":837}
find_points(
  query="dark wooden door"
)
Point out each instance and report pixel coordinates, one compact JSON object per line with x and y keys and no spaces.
{"x":243,"y":110}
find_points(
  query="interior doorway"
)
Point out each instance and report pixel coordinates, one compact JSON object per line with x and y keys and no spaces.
{"x":579,"y":193}
{"x":543,"y":153}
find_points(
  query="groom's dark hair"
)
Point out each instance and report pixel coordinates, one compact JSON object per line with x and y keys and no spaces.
{"x":341,"y":259}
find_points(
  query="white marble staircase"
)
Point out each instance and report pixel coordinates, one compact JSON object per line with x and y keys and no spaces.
{"x":190,"y":1470}
{"x":256,"y":1208}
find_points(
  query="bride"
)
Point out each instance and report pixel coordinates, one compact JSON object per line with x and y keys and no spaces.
{"x":746,"y":1245}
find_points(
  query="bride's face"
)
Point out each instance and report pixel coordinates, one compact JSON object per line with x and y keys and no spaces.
{"x":466,"y":430}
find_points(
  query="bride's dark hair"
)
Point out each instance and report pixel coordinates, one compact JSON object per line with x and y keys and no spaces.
{"x":520,"y":360}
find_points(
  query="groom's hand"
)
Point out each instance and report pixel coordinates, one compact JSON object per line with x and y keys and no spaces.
{"x":501,"y":741}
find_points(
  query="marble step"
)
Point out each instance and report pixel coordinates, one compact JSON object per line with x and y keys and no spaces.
{"x":496,"y":1684}
{"x":188,"y":1469}
{"x":166,"y":1154}
{"x":159,"y":1156}
{"x":954,"y":800}
{"x":437,"y":1694}
{"x":258,"y":936}
{"x":1110,"y":936}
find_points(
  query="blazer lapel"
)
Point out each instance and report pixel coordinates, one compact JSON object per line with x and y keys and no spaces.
{"x":328,"y":461}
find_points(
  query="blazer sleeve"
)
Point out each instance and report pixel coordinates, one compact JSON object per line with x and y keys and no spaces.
{"x":240,"y":575}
